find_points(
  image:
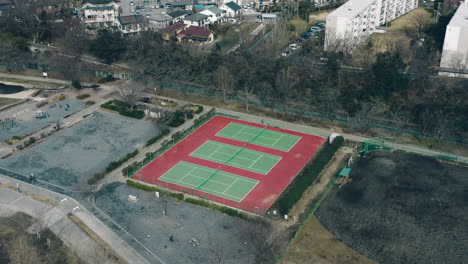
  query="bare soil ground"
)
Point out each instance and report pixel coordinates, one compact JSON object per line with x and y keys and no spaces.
{"x":316,"y":245}
{"x":401,"y":208}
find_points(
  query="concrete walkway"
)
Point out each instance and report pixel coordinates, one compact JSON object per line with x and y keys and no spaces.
{"x":52,"y":212}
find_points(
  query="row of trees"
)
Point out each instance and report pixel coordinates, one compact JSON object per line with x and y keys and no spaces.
{"x":383,"y":90}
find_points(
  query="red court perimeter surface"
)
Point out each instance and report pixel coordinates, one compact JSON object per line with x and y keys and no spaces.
{"x":269,"y":187}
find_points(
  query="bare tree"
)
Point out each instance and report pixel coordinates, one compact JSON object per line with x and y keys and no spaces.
{"x":224,"y":80}
{"x":130,"y":93}
{"x":419,"y":20}
{"x":217,"y":251}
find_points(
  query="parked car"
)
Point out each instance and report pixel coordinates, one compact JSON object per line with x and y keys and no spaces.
{"x":294,"y":46}
{"x":305,"y":36}
{"x":315,"y":28}
{"x":321,"y":25}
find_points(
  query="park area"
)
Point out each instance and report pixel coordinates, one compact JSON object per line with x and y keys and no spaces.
{"x":236,"y":163}
{"x":71,"y":156}
{"x":401,"y":208}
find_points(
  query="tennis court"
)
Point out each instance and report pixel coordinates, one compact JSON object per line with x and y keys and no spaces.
{"x":227,"y":185}
{"x":259,"y":136}
{"x":236,"y":156}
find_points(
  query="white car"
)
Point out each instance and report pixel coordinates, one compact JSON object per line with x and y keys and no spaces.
{"x":294,"y":46}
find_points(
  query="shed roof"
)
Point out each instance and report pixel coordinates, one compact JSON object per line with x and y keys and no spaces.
{"x":233,"y":6}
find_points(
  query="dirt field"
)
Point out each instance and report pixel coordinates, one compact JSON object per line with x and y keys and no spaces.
{"x":316,"y":245}
{"x":401,"y":208}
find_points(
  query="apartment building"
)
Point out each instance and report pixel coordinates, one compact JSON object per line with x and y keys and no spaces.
{"x":454,"y":61}
{"x":354,"y":21}
{"x":100,"y":14}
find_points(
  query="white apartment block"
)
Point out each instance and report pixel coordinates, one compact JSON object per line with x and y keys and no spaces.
{"x":355,"y":20}
{"x":455,"y":50}
{"x":100,"y":15}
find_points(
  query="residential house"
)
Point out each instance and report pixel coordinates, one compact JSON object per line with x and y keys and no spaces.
{"x":215,"y":15}
{"x":132,"y":24}
{"x":159,"y":21}
{"x":179,"y":15}
{"x":99,"y":15}
{"x":354,"y":21}
{"x":454,"y":61}
{"x":172,"y":31}
{"x":232,"y":9}
{"x":196,"y":34}
{"x":197,"y":19}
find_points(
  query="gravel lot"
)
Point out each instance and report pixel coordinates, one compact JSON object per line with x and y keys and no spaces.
{"x":401,"y":208}
{"x":218,"y":234}
{"x":71,"y":156}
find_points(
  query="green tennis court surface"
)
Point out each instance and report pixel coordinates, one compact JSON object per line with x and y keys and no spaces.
{"x":235,"y":156}
{"x":220,"y":183}
{"x":259,"y":136}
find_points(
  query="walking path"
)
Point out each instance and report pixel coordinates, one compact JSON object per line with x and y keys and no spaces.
{"x":52,"y":212}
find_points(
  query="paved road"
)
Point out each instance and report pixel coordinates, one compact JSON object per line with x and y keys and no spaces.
{"x":54,"y":216}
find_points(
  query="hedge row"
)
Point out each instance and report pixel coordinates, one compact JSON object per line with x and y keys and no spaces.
{"x":307,"y":177}
{"x":123,"y":109}
{"x":223,"y":209}
{"x":153,"y":140}
{"x":82,"y":96}
{"x":180,"y":196}
{"x":144,"y":187}
{"x":112,"y":166}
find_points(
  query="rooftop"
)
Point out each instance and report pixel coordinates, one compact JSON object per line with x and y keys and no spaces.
{"x":197,"y":31}
{"x":98,"y":2}
{"x":235,"y":7}
{"x":173,"y":28}
{"x":215,"y":10}
{"x":179,"y":13}
{"x":132,"y":19}
{"x":352,"y":8}
{"x":196,"y":17}
{"x":460,"y":19}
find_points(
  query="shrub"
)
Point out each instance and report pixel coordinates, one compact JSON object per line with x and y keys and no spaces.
{"x":189,"y":115}
{"x":307,"y":177}
{"x":223,"y":209}
{"x":16,"y":137}
{"x":61,"y":97}
{"x":143,"y":187}
{"x":179,"y":196}
{"x":89,"y":103}
{"x":176,"y":136}
{"x":41,"y":103}
{"x":292,"y":27}
{"x":96,"y":177}
{"x":76,"y":84}
{"x":199,"y":109}
{"x":153,"y":140}
{"x":82,"y":96}
{"x":123,"y":109}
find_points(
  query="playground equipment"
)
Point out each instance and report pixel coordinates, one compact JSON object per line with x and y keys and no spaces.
{"x":8,"y":123}
{"x":41,"y":114}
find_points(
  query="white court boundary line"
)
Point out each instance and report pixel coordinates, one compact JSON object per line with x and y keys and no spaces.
{"x":231,"y":163}
{"x":208,"y":190}
{"x":243,"y":127}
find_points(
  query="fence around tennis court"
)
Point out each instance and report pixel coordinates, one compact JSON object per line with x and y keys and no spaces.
{"x":132,"y":169}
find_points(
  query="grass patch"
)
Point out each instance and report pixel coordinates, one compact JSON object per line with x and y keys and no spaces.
{"x":407,"y":21}
{"x":307,"y":177}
